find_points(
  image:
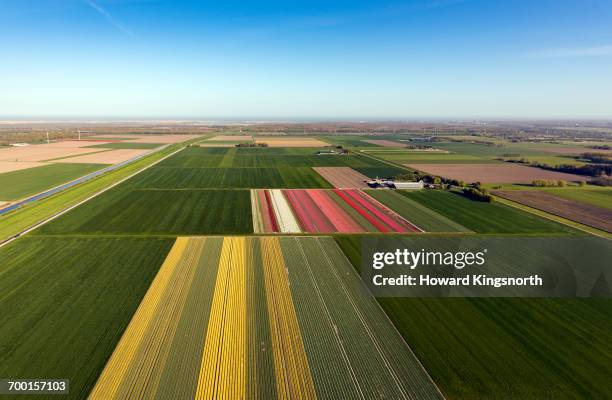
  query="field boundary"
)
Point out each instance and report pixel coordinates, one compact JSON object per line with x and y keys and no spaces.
{"x":69,"y":208}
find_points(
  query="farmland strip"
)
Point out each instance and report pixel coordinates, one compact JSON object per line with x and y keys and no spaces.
{"x":284,"y":215}
{"x":270,"y":210}
{"x":258,"y":223}
{"x":180,"y":377}
{"x":293,"y":377}
{"x":336,"y":215}
{"x":223,"y":369}
{"x":309,"y":214}
{"x":364,"y":213}
{"x":261,"y":382}
{"x":394,"y":219}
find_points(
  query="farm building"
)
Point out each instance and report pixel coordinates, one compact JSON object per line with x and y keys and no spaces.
{"x":408,"y":185}
{"x":388,"y":183}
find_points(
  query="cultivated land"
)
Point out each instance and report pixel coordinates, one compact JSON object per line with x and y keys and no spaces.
{"x":337,"y":344}
{"x":107,"y":157}
{"x":125,"y":145}
{"x":485,"y":217}
{"x":66,"y":301}
{"x":494,"y":173}
{"x":285,"y":141}
{"x":275,"y":317}
{"x":196,"y":157}
{"x":509,"y":348}
{"x":323,"y":211}
{"x":587,"y":214}
{"x":384,"y":143}
{"x":199,"y":178}
{"x":123,"y":210}
{"x":41,"y":152}
{"x":343,"y":177}
{"x":597,"y":197}
{"x":425,"y":157}
{"x":19,"y":184}
{"x":33,"y":213}
{"x":421,"y":216}
{"x":150,"y":138}
{"x":8,"y":166}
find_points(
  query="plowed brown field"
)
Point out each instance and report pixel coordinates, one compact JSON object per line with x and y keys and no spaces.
{"x":107,"y":157}
{"x":494,"y":173}
{"x":343,"y":177}
{"x":586,"y":214}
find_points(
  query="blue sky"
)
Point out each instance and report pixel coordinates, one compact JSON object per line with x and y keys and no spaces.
{"x":306,"y":59}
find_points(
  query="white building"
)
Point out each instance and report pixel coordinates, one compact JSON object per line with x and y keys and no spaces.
{"x":408,"y":185}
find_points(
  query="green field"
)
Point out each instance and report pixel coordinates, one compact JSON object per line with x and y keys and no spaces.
{"x":196,"y":178}
{"x":125,"y":145}
{"x":506,"y":348}
{"x":407,"y":157}
{"x":349,"y":140}
{"x":160,"y":212}
{"x":201,"y":157}
{"x":381,"y":172}
{"x":65,"y":303}
{"x":596,"y":197}
{"x":484,"y":217}
{"x":17,"y":220}
{"x":16,"y":185}
{"x":416,"y":213}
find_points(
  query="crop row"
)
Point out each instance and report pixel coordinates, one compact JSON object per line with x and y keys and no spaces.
{"x":260,"y":317}
{"x":322,"y":211}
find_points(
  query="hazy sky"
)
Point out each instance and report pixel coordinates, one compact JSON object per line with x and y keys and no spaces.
{"x":316,"y":58}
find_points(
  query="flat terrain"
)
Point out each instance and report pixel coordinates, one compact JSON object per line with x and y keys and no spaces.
{"x":384,"y":143}
{"x":198,"y":157}
{"x":596,"y":197}
{"x":421,"y":216}
{"x":494,"y":173}
{"x":123,"y":210}
{"x":149,"y":138}
{"x":124,"y":145}
{"x":273,"y":318}
{"x":199,"y":178}
{"x":587,"y":214}
{"x":425,"y":157}
{"x":106,"y":157}
{"x":569,"y":150}
{"x":8,"y":166}
{"x":484,"y":217}
{"x":323,"y":211}
{"x":231,"y":138}
{"x":343,"y":177}
{"x":387,"y":171}
{"x":65,"y":303}
{"x":19,"y":184}
{"x":41,"y":152}
{"x":286,"y":141}
{"x":514,"y":348}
